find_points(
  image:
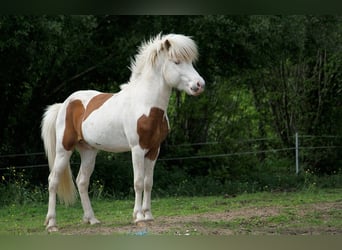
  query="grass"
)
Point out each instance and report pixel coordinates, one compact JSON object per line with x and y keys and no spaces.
{"x":259,"y":213}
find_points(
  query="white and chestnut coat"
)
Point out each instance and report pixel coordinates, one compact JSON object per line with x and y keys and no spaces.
{"x":133,"y":119}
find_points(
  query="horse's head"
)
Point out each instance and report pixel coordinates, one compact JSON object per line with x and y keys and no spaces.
{"x":177,"y":68}
{"x":172,"y":57}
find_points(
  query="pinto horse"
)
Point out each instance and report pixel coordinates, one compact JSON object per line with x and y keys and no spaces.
{"x":133,"y":119}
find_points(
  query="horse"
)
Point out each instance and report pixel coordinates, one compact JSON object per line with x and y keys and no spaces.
{"x":133,"y":119}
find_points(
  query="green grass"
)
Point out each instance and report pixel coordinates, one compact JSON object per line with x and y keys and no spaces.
{"x":296,"y":212}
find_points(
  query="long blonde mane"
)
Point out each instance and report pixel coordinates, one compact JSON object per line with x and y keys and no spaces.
{"x":178,"y":48}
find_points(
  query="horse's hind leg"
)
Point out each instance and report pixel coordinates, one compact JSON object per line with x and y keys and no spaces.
{"x":60,"y":165}
{"x":88,"y":157}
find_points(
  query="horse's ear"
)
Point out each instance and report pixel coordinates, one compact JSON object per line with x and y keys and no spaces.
{"x":167,"y":44}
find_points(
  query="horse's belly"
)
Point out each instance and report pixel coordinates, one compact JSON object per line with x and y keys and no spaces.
{"x":108,"y":138}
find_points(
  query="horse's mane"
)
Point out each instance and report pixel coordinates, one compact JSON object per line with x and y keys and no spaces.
{"x":179,"y":48}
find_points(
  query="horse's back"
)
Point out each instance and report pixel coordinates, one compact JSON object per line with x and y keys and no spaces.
{"x":83,"y":95}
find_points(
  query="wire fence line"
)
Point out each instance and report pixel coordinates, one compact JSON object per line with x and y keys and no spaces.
{"x":26,"y":166}
{"x":192,"y":157}
{"x":22,"y":155}
{"x":191,"y":144}
{"x":204,"y":156}
{"x":224,"y":155}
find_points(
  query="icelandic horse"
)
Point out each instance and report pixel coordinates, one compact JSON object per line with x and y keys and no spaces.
{"x":133,"y":119}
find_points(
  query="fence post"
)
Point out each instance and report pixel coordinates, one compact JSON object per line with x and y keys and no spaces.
{"x":297,"y":154}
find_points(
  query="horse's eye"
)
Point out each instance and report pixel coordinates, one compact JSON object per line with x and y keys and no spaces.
{"x":177,"y":62}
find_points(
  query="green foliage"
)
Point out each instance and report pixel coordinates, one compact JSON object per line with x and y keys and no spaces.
{"x":16,"y":189}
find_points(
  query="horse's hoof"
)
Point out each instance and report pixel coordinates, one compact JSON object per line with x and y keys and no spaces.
{"x":91,"y":221}
{"x":94,"y":221}
{"x":52,"y":229}
{"x":144,"y":223}
{"x":149,"y":217}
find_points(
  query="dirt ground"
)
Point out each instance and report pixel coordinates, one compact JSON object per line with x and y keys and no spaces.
{"x":254,"y":221}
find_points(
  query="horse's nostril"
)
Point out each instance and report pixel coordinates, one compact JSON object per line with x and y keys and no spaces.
{"x":200,"y":84}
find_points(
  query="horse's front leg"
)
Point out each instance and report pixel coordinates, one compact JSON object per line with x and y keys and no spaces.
{"x":148,"y":183}
{"x":138,"y":155}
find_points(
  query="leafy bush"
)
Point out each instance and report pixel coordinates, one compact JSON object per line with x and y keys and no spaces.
{"x":15,"y":188}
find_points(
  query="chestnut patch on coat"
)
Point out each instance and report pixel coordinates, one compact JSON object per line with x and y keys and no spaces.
{"x":96,"y":102}
{"x":152,"y":130}
{"x":73,"y":122}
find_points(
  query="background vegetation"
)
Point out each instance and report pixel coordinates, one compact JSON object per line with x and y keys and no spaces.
{"x":267,"y":77}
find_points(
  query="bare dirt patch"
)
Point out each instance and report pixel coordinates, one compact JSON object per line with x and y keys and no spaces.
{"x":304,"y":220}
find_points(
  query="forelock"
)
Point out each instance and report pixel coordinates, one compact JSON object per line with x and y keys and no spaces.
{"x":182,"y":48}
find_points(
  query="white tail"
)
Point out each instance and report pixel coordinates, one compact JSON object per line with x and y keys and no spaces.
{"x":66,"y":188}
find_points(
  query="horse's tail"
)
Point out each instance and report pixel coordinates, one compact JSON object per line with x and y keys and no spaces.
{"x":66,"y":188}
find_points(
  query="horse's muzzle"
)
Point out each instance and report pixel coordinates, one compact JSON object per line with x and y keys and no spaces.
{"x":198,"y":88}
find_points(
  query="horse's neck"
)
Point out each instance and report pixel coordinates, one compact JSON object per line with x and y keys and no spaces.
{"x":153,"y":92}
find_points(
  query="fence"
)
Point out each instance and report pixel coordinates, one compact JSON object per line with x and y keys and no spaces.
{"x":297,"y":149}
